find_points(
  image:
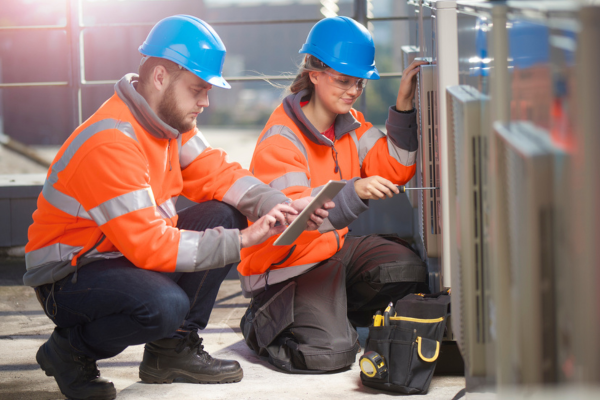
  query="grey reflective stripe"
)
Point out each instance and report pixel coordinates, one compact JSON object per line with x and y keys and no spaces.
{"x":326,"y":226}
{"x":66,"y":204}
{"x":50,"y":254}
{"x":404,"y":157}
{"x":60,"y":200}
{"x":239,"y":189}
{"x":127,"y":129}
{"x":108,"y":255}
{"x":355,"y":138}
{"x":366,"y":143}
{"x":188,"y":251}
{"x":316,"y":190}
{"x":179,"y":140}
{"x":288,"y":134}
{"x":290,"y":179}
{"x":253,"y":284}
{"x":168,"y":207}
{"x":122,"y":205}
{"x":192,"y":149}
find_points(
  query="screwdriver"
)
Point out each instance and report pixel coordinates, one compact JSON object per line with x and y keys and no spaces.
{"x":403,"y":189}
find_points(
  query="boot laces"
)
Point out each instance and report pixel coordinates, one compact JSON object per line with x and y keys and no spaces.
{"x":194,"y":342}
{"x":88,"y":367}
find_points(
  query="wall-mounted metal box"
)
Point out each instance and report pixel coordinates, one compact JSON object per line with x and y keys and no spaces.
{"x":18,"y":201}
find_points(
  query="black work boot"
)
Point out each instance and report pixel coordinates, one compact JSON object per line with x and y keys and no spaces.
{"x":77,"y":375}
{"x":184,"y":360}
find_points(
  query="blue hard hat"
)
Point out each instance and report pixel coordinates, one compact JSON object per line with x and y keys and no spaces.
{"x":190,"y":42}
{"x":344,"y":45}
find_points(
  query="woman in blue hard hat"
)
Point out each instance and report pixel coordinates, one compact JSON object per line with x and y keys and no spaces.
{"x":327,"y":283}
{"x":112,"y":261}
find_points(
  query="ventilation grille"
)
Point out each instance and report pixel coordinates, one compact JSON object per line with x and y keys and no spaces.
{"x":465,"y":135}
{"x":429,"y":160}
{"x":528,"y":158}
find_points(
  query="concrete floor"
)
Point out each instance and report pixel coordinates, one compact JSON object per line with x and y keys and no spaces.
{"x":24,"y":327}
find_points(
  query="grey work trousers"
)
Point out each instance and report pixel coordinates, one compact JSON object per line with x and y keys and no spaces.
{"x":307,"y":324}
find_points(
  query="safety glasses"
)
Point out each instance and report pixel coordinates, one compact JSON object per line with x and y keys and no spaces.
{"x":346,"y":82}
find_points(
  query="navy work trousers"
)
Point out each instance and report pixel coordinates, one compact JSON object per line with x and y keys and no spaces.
{"x":113,"y":304}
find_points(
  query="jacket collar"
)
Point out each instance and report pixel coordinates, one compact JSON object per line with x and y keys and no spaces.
{"x":141,"y":110}
{"x":344,"y":123}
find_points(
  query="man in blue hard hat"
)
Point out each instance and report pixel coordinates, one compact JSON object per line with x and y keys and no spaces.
{"x":112,"y":262}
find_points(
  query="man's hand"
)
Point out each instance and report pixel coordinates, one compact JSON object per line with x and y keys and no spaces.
{"x":317,"y":217}
{"x":265,"y":227}
{"x":375,"y":188}
{"x":408,"y":84}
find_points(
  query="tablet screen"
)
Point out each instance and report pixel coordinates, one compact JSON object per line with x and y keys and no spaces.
{"x":294,"y":230}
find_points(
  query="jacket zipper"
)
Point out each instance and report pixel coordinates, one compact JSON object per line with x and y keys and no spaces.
{"x":334,"y":154}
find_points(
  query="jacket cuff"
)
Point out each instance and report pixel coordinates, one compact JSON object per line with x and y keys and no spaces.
{"x":402,"y":129}
{"x":348,"y":206}
{"x":259,"y":200}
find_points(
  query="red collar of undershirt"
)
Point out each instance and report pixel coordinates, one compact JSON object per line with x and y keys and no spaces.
{"x":330,"y":132}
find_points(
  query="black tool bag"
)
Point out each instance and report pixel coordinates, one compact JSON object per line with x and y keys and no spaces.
{"x":409,"y":344}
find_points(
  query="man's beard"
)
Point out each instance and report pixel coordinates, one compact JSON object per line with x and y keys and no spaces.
{"x":171,"y":114}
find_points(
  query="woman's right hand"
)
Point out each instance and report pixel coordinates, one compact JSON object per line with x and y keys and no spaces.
{"x":375,"y":188}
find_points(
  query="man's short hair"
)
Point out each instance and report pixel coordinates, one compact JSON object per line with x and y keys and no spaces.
{"x":148,"y":64}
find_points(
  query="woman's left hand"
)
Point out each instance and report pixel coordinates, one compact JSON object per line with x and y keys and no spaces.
{"x":408,"y":85}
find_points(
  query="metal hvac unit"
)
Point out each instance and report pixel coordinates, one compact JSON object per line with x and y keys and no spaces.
{"x":575,"y":56}
{"x":470,"y":283}
{"x":428,"y":160}
{"x":525,"y":159}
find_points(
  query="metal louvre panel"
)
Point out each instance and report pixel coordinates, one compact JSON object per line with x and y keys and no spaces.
{"x":528,"y":164}
{"x":468,"y":277}
{"x":429,"y":159}
{"x":409,"y":53}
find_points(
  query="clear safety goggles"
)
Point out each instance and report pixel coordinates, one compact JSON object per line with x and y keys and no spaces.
{"x":346,"y":82}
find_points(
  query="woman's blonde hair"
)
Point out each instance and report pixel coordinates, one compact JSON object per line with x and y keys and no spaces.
{"x":302,"y":80}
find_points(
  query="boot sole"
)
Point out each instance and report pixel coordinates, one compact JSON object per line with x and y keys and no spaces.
{"x":151,"y":375}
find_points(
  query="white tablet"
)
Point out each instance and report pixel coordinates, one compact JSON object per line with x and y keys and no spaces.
{"x":298,"y":226}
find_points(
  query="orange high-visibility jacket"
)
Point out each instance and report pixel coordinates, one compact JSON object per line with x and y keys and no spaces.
{"x":292,"y":156}
{"x":112,"y":188}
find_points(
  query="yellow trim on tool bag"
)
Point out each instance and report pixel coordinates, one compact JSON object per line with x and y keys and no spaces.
{"x":425,"y":321}
{"x":435,"y":356}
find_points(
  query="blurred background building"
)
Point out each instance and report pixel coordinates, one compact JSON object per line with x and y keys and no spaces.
{"x":59,"y":59}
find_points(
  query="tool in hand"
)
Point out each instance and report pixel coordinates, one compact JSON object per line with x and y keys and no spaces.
{"x":403,"y":189}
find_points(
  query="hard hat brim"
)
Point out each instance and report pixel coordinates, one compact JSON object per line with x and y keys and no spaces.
{"x":369,"y":72}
